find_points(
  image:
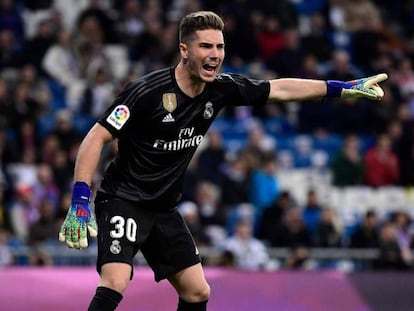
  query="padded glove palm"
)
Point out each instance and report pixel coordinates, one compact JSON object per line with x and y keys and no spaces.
{"x":79,"y":219}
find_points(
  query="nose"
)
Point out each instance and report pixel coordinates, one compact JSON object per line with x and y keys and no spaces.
{"x":214,"y":54}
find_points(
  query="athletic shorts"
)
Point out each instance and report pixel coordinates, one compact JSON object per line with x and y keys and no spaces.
{"x":163,"y":237}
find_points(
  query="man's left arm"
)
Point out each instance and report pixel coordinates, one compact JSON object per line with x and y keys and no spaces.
{"x":291,"y":89}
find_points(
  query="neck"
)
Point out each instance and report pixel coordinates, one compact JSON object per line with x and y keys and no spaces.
{"x":189,"y":85}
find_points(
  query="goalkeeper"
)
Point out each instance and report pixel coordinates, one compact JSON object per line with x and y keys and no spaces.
{"x":159,"y":120}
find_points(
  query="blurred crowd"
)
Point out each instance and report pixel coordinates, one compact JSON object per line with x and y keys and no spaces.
{"x":62,"y":62}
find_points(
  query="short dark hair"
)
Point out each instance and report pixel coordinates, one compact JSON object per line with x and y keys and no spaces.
{"x":200,"y":20}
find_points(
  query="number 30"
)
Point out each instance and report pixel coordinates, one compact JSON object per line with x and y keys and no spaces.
{"x":122,"y":227}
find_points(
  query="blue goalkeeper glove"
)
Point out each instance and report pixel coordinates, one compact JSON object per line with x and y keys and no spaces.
{"x":79,"y":219}
{"x":359,"y":88}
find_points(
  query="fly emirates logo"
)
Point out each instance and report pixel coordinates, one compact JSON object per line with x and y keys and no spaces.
{"x":185,"y":140}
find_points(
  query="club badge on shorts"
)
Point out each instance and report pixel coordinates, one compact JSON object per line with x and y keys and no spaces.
{"x":208,"y":111}
{"x":169,"y":101}
{"x":115,"y":248}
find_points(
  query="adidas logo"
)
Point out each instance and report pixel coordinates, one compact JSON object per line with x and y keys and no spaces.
{"x":168,"y":118}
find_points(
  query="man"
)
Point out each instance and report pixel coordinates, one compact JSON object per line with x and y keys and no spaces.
{"x":159,"y":121}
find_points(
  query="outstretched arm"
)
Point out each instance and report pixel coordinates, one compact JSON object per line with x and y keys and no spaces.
{"x":290,"y":89}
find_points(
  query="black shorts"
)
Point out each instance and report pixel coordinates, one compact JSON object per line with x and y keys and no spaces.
{"x":163,"y":237}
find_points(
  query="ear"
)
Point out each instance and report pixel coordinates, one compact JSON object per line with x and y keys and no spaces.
{"x":183,"y":50}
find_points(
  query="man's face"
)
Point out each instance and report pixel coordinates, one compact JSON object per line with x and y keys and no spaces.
{"x":204,"y":54}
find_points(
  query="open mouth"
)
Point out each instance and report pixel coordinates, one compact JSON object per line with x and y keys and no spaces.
{"x":209,"y":67}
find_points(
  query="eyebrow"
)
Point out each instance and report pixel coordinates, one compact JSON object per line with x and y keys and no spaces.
{"x":211,"y":44}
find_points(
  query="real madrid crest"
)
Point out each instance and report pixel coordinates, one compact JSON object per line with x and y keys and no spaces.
{"x":115,"y":247}
{"x":208,"y":110}
{"x":169,"y":101}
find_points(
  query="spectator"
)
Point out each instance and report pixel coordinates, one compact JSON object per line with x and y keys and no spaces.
{"x":64,"y":129}
{"x":70,"y":11}
{"x":366,"y":235}
{"x":264,"y":186}
{"x":62,"y":171}
{"x":328,"y":232}
{"x":390,"y":252}
{"x":283,"y":10}
{"x":49,"y":147}
{"x":359,"y":13}
{"x":270,"y":39}
{"x":381,"y":164}
{"x":23,"y":212}
{"x":62,"y":64}
{"x":37,"y":46}
{"x":148,"y":45}
{"x":8,"y":155}
{"x":258,"y":144}
{"x":287,"y":61}
{"x":103,"y":16}
{"x":212,"y":215}
{"x":190,"y":213}
{"x":316,"y":42}
{"x":24,"y":106}
{"x":240,"y":30}
{"x":312,"y":212}
{"x":236,"y":182}
{"x":10,"y":57}
{"x":208,"y":200}
{"x":212,"y":158}
{"x":24,"y":171}
{"x":367,"y":31}
{"x":404,"y":144}
{"x":309,"y":68}
{"x":249,"y":253}
{"x":11,"y":19}
{"x":129,"y":23}
{"x":98,"y":93}
{"x":384,"y":112}
{"x":347,"y":166}
{"x":272,"y":217}
{"x":45,"y":188}
{"x":26,"y":138}
{"x":45,"y":228}
{"x":405,"y":79}
{"x":7,"y":113}
{"x":292,"y":232}
{"x":404,"y":235}
{"x":341,"y":67}
{"x":37,"y":88}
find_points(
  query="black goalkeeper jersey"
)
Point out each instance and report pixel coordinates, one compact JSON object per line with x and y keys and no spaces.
{"x":159,"y":128}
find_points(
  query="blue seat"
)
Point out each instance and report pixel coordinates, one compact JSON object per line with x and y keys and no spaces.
{"x":278,"y":126}
{"x":45,"y":124}
{"x":58,"y":95}
{"x":331,"y":143}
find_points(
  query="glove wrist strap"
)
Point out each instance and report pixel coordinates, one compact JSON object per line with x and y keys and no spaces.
{"x":334,"y":88}
{"x":81,"y":193}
